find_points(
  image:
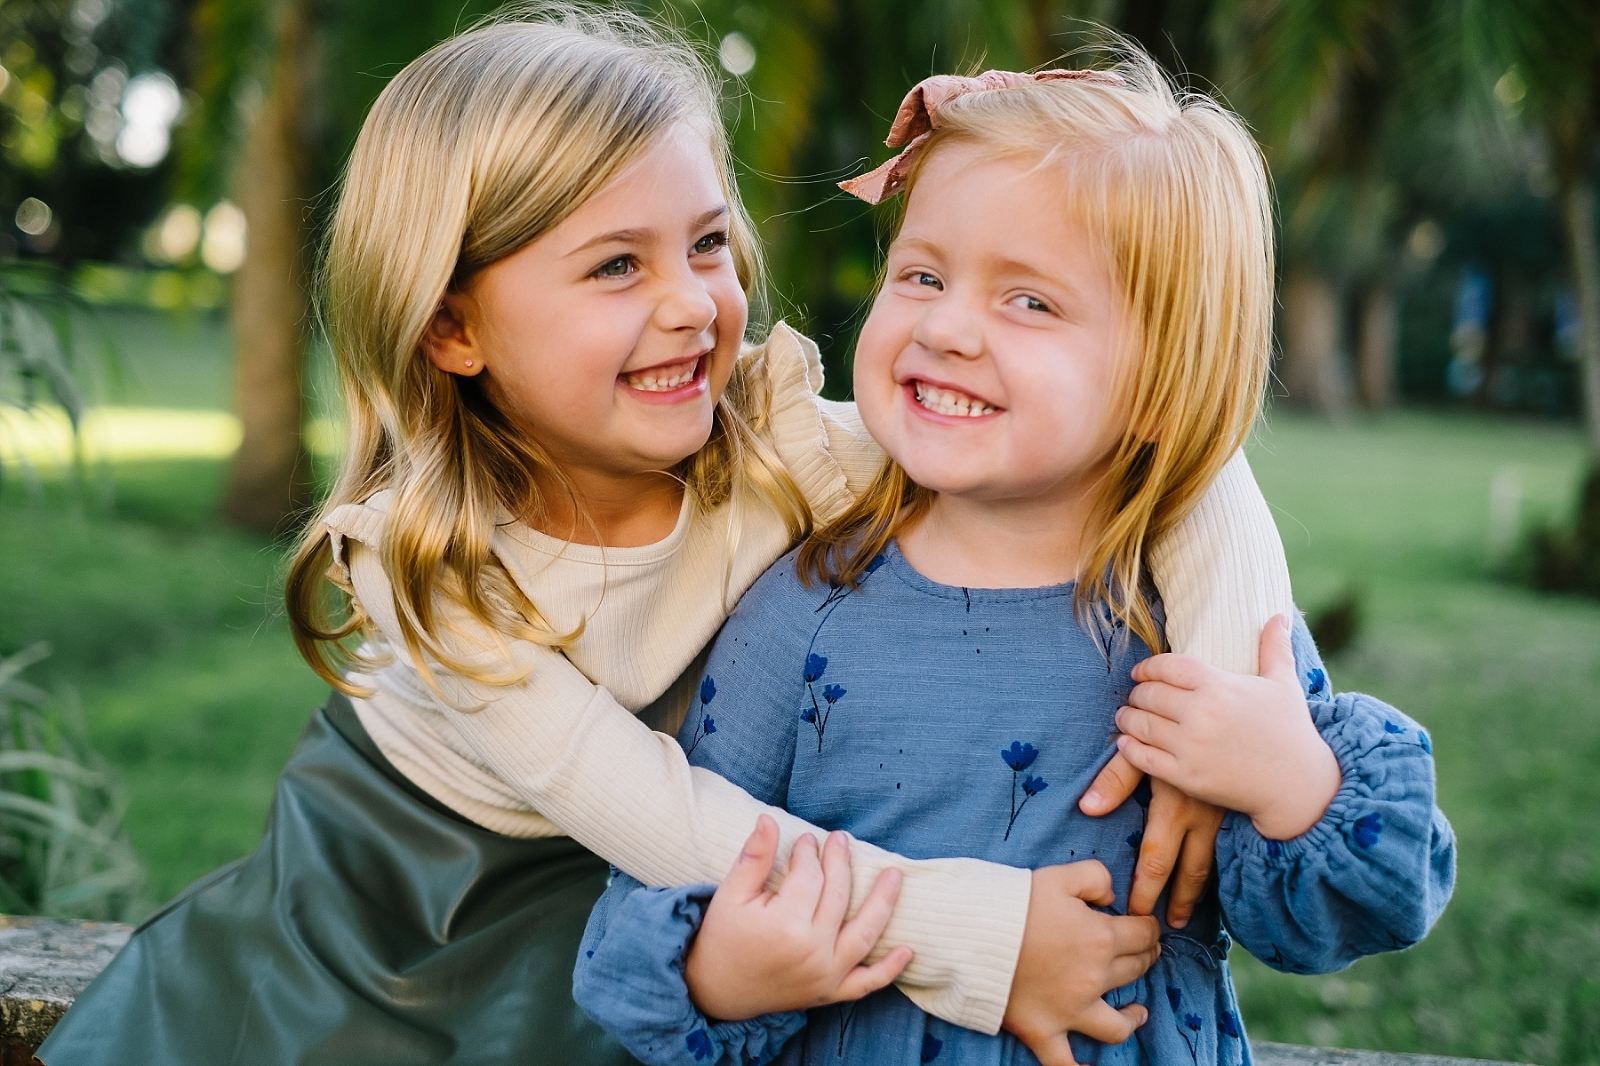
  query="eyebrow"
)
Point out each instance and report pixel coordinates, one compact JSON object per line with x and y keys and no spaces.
{"x":644,"y":236}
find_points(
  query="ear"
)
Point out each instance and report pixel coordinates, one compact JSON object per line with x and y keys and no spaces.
{"x":451,"y":337}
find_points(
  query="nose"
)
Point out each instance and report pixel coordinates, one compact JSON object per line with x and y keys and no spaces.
{"x":686,"y":304}
{"x":949,"y":327}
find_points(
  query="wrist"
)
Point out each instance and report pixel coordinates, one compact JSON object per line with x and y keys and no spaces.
{"x":1293,"y":811}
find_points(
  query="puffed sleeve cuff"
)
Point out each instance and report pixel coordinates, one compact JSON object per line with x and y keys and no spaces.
{"x":629,"y":979}
{"x":1372,"y":875}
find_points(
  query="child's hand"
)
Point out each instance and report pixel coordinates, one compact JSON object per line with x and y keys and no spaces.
{"x":1072,"y":956}
{"x":759,"y":951}
{"x":1241,"y":742}
{"x":1180,"y":839}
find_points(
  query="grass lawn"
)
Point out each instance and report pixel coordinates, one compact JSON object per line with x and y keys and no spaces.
{"x":167,"y":625}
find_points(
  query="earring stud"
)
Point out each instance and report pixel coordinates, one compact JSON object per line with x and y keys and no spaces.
{"x":469,"y":362}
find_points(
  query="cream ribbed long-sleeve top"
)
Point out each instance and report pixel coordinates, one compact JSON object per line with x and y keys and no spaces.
{"x":570,"y":750}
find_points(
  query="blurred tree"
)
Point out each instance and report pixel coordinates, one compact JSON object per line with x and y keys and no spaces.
{"x":1320,"y":79}
{"x":283,"y":86}
{"x":1542,"y":58}
{"x":67,"y":66}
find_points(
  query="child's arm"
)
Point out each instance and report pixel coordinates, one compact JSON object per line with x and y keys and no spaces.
{"x":1337,"y":849}
{"x":574,"y":754}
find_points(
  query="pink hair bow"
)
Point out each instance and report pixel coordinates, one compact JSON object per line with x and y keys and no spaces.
{"x":918,"y":117}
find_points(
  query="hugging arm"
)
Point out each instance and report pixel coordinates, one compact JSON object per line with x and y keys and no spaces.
{"x":570,"y":751}
{"x":1374,"y":873}
{"x":1222,"y":574}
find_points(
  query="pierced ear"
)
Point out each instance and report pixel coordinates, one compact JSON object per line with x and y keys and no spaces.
{"x":449,"y":339}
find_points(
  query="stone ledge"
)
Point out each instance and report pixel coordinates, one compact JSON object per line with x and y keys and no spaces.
{"x":44,"y":965}
{"x":1269,"y":1054}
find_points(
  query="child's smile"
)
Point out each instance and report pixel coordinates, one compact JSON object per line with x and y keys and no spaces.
{"x":669,"y":382}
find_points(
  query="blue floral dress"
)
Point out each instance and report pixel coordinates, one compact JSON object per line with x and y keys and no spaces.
{"x":941,"y":721}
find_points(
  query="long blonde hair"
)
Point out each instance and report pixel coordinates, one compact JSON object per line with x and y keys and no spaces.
{"x":483,"y":144}
{"x":1175,"y":187}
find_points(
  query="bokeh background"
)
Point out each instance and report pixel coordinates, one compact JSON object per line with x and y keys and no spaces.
{"x":166,"y":411}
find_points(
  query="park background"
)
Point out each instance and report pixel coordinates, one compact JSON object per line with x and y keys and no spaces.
{"x":167,"y":410}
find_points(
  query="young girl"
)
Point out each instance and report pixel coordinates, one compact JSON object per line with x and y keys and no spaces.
{"x":1073,"y":325}
{"x":563,"y":471}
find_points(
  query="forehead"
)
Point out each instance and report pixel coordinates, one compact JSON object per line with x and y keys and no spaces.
{"x":1013,"y":205}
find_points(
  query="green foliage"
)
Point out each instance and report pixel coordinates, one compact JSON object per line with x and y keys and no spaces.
{"x":62,"y":849}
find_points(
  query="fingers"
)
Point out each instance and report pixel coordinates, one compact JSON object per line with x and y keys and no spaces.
{"x":859,"y":934}
{"x":1194,"y":871}
{"x":1111,"y":787}
{"x":1108,"y":1025}
{"x":1088,"y":880}
{"x":1054,"y":1050}
{"x":1132,"y":935}
{"x":1151,"y":760}
{"x":1180,"y":671}
{"x":835,"y":898}
{"x":1125,"y":968}
{"x":864,"y":980}
{"x":1160,"y":698}
{"x":803,"y":885}
{"x":1277,"y":650}
{"x":748,"y":878}
{"x":1152,"y":729}
{"x":1158,"y":853}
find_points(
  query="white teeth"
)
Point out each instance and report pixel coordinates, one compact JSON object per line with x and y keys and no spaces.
{"x":949,"y":402}
{"x":657,"y":381}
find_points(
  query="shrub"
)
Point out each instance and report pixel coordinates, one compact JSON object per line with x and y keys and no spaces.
{"x":62,"y":849}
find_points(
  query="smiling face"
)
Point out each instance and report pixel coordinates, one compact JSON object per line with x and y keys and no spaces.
{"x":987,"y":367}
{"x":611,"y":337}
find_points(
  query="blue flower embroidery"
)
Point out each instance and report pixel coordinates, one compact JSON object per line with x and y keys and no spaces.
{"x":877,"y":561}
{"x":1392,"y":729}
{"x":1316,"y":681}
{"x":1228,"y":1024}
{"x":1019,"y":756}
{"x":1422,"y":738}
{"x":816,"y":666}
{"x":1274,"y":849}
{"x":699,"y":1044}
{"x":708,"y":725}
{"x":1368,"y":829}
{"x":816,"y":715}
{"x":931,"y":1045}
{"x":1192,"y":1021}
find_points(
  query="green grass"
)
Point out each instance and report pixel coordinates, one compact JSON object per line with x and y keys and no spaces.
{"x":1506,"y":682}
{"x":167,"y":624}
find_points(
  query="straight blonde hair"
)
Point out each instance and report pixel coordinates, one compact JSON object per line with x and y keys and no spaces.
{"x":1176,"y":189}
{"x":478,"y":147}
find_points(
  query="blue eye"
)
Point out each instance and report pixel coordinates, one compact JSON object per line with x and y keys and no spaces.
{"x":922,"y":277}
{"x":620,"y":267}
{"x":1033,"y":303}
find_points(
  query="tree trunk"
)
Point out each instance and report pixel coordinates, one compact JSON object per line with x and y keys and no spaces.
{"x":1312,"y":371}
{"x":1578,"y":211}
{"x":271,"y":473}
{"x":1376,"y":349}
